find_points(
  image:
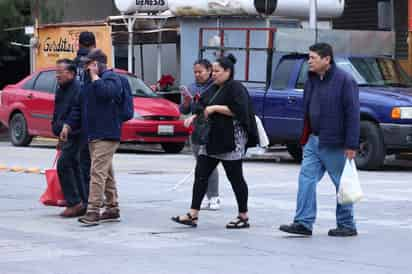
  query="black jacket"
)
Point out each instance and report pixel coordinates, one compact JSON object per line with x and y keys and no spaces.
{"x":221,"y":136}
{"x":65,"y":100}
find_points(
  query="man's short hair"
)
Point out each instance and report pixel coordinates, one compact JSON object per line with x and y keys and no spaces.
{"x":96,"y":55}
{"x":323,"y":50}
{"x":87,"y":39}
{"x":69,"y":64}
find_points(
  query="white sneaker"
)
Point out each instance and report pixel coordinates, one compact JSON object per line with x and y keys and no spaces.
{"x":214,"y":203}
{"x":205,"y":204}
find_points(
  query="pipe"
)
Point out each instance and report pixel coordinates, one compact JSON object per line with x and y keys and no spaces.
{"x":410,"y":36}
{"x":313,"y":14}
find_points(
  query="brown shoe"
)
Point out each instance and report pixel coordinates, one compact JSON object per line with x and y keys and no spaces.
{"x":91,"y":218}
{"x":110,"y":215}
{"x":73,"y":211}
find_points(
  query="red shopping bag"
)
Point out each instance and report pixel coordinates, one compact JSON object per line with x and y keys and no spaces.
{"x":53,"y":196}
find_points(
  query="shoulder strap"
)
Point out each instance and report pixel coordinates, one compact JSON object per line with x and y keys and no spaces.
{"x":214,"y":96}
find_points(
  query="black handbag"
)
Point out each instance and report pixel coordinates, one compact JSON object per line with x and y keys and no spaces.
{"x":200,"y":134}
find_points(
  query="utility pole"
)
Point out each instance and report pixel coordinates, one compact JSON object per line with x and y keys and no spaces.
{"x":313,"y":17}
{"x":34,"y":41}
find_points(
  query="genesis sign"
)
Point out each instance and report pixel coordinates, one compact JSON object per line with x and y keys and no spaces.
{"x":152,"y":3}
{"x":131,"y":6}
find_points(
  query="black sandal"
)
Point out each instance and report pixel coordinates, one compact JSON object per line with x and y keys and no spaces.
{"x":192,"y":221}
{"x":239,"y":223}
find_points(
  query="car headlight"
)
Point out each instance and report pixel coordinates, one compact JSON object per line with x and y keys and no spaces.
{"x":137,"y":116}
{"x":402,"y":113}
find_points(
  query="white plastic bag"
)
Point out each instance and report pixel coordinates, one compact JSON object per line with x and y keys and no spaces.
{"x":263,"y":137}
{"x":350,"y":190}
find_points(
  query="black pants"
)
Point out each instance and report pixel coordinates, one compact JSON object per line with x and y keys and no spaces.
{"x":85,"y":163}
{"x":234,"y":172}
{"x":69,"y":172}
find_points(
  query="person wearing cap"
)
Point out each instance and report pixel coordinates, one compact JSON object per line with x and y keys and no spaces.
{"x":87,"y":42}
{"x":98,"y":117}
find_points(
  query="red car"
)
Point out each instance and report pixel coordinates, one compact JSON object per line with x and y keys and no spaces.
{"x":26,"y":108}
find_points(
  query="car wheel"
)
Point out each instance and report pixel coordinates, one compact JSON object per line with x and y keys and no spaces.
{"x":19,"y":134}
{"x":173,"y":147}
{"x":371,"y":153}
{"x":295,"y":151}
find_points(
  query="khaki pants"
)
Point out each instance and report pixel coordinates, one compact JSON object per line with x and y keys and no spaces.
{"x":102,"y":182}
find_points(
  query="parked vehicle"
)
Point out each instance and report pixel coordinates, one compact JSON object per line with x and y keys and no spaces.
{"x":385,"y":98}
{"x":26,"y":108}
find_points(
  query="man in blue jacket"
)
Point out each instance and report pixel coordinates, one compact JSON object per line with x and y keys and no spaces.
{"x":331,"y":135}
{"x":68,"y":166}
{"x":99,"y":109}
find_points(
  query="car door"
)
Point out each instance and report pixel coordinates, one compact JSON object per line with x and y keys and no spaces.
{"x":283,"y":103}
{"x":40,"y":103}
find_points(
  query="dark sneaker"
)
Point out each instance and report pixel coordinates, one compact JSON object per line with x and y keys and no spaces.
{"x":110,"y":215}
{"x":296,"y":228}
{"x":342,"y":232}
{"x":91,"y":218}
{"x":74,"y":211}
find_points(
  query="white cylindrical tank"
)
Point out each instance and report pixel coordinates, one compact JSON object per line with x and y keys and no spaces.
{"x":285,"y":8}
{"x":300,"y":8}
{"x":211,"y":7}
{"x":132,"y":6}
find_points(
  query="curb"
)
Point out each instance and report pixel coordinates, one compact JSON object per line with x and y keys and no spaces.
{"x":18,"y":169}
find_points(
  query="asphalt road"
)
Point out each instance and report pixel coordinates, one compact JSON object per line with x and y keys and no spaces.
{"x":33,"y":239}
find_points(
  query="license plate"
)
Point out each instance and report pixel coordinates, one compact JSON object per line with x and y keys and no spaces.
{"x":165,"y":130}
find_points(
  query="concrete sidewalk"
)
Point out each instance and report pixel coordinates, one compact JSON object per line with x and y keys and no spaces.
{"x":33,"y":239}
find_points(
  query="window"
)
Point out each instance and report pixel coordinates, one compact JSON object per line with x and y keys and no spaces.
{"x":46,"y":82}
{"x":139,"y":88}
{"x":303,"y":75}
{"x":283,"y":73}
{"x":30,"y":83}
{"x":380,"y":72}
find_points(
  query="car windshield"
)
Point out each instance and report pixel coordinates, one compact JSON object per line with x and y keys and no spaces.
{"x":139,"y":88}
{"x":369,"y":71}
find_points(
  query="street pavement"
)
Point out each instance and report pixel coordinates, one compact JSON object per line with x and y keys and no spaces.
{"x":34,"y":239}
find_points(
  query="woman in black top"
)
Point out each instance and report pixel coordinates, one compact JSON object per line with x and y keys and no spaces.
{"x":229,"y":111}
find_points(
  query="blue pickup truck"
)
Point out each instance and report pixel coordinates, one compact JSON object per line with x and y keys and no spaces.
{"x":385,"y":98}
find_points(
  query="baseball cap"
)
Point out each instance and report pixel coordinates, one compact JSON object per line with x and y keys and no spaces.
{"x":96,"y":55}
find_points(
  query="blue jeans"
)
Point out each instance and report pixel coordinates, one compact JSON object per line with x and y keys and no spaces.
{"x":315,"y":162}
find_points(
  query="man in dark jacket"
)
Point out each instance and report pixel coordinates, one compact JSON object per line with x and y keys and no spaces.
{"x":331,"y":135}
{"x":87,"y":42}
{"x":99,"y":109}
{"x":68,"y":167}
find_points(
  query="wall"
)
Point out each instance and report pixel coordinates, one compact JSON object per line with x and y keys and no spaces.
{"x":359,"y":15}
{"x":57,"y":11}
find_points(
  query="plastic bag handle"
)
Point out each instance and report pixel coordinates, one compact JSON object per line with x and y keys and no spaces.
{"x":58,"y":153}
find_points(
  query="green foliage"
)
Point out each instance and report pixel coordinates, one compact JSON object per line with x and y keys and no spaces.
{"x":13,"y":14}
